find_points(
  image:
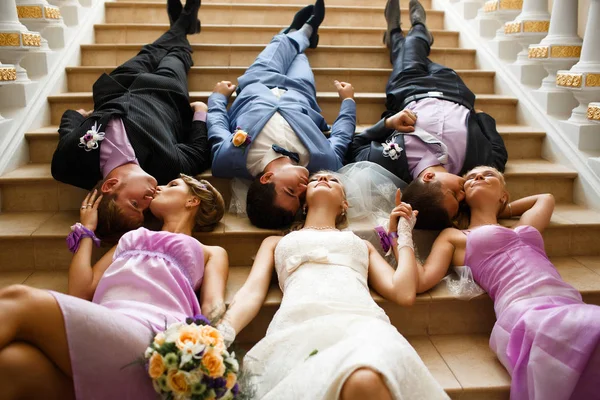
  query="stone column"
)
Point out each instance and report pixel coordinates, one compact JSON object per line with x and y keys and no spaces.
{"x":39,"y":16}
{"x":494,"y":14}
{"x":468,"y":8}
{"x":70,"y":10}
{"x":583,"y":79}
{"x":15,"y":39}
{"x":559,"y":50}
{"x":528,"y":28}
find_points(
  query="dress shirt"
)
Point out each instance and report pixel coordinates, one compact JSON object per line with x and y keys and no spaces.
{"x":445,"y":120}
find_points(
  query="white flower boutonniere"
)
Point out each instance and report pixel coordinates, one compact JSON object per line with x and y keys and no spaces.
{"x":90,"y":140}
{"x":391,"y":150}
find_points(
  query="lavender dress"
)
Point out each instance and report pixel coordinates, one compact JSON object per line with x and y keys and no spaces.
{"x":546,"y":337}
{"x":150,"y":284}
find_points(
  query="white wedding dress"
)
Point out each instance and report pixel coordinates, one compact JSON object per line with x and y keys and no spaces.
{"x":328,"y":326}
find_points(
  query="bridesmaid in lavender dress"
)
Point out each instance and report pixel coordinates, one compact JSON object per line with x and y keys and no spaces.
{"x":545,"y":335}
{"x":84,"y":345}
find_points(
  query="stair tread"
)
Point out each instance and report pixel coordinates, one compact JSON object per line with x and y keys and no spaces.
{"x":525,"y":167}
{"x":56,"y":224}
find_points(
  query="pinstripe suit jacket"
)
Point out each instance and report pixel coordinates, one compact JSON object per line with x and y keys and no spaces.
{"x":158,"y":121}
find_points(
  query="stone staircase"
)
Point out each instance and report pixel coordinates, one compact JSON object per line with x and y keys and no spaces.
{"x":450,"y":335}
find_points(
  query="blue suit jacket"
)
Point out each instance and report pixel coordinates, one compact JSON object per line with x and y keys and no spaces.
{"x":253,"y":108}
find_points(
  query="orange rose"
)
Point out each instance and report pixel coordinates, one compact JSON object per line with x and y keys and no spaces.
{"x":213,"y":362}
{"x":231,"y":380}
{"x":177,"y":382}
{"x":188,"y":334}
{"x":239,"y":138}
{"x":156,"y":367}
{"x":212,"y":337}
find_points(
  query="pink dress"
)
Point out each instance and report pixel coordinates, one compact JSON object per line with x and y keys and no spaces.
{"x":150,"y":284}
{"x":545,"y":335}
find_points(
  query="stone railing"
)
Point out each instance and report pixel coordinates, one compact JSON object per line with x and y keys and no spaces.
{"x":544,"y":53}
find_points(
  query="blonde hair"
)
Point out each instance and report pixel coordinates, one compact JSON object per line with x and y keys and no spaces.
{"x":463,"y":217}
{"x":212,"y":206}
{"x":341,"y":220}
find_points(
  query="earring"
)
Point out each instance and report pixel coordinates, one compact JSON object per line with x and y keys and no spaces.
{"x":304,"y":210}
{"x":343,"y":212}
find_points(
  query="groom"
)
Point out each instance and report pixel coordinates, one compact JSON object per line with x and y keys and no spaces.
{"x":142,"y":131}
{"x":430,"y":134}
{"x":273,"y":132}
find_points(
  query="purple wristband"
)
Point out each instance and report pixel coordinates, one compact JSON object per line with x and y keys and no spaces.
{"x":384,"y":238}
{"x":78,"y":232}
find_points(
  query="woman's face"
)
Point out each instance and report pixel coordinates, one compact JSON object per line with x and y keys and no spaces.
{"x":484,"y":183}
{"x":171,"y":197}
{"x":324,"y":187}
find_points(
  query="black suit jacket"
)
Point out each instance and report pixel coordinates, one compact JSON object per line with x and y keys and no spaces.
{"x":484,"y":146}
{"x":158,"y":121}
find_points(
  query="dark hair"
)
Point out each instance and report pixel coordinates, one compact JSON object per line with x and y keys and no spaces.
{"x":261,"y":208}
{"x":112,"y":222}
{"x":428,"y":199}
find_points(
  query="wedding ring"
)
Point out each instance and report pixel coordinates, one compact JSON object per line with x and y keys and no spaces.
{"x":83,"y":207}
{"x":89,"y":204}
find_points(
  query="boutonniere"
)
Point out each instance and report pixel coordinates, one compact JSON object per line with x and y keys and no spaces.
{"x":391,"y":150}
{"x":90,"y":140}
{"x":241,"y":138}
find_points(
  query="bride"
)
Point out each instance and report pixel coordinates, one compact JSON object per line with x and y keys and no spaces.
{"x":329,"y":339}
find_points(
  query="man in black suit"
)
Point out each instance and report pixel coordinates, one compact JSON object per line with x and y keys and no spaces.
{"x":430,"y":133}
{"x":143,"y":130}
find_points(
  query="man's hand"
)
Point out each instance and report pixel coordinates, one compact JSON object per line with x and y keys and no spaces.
{"x":404,"y":121}
{"x":226,"y":88}
{"x":402,"y":210}
{"x":345,"y":90}
{"x":199,"y":106}
{"x":84,"y":113}
{"x":478,"y":111}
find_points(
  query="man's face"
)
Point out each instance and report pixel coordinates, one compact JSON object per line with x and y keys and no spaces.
{"x":290,"y":186}
{"x":134,"y":194}
{"x":453,"y":190}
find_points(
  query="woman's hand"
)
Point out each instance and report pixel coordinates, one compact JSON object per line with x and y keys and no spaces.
{"x":88,"y":215}
{"x":345,"y":90}
{"x":226,"y":88}
{"x":402,"y":210}
{"x":403,"y":121}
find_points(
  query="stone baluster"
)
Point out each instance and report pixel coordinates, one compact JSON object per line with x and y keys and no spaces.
{"x":70,"y":9}
{"x":528,"y":28}
{"x":39,"y":16}
{"x":559,"y":50}
{"x":8,"y":75}
{"x":468,"y":8}
{"x":15,"y":39}
{"x":583,"y":79}
{"x":494,"y":14}
{"x":593,"y":112}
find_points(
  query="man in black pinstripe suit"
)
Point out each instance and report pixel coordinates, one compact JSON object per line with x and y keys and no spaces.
{"x":143,"y":130}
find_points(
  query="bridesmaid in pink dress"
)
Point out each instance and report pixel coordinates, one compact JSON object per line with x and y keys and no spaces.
{"x":545,"y":335}
{"x":85,"y":345}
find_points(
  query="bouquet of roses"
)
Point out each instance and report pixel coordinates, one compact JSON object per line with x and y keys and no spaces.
{"x":189,"y":360}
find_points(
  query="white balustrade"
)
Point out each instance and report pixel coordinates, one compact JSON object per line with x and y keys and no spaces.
{"x":70,"y":10}
{"x":39,"y":16}
{"x":593,"y":112}
{"x":494,"y":14}
{"x":558,"y":51}
{"x":467,"y":9}
{"x":8,"y":75}
{"x":583,"y":80}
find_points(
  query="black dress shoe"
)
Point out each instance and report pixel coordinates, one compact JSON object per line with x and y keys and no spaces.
{"x":299,"y":19}
{"x":418,"y":17}
{"x":174,"y":9}
{"x":191,"y":9}
{"x":315,"y":20}
{"x":392,"y":17}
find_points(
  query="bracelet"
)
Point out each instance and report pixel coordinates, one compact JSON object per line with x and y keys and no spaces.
{"x":510,"y":210}
{"x":385,"y":239}
{"x":78,"y":232}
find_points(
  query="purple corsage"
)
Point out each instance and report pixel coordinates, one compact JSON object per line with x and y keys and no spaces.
{"x":385,"y":239}
{"x":90,"y":140}
{"x":78,"y":232}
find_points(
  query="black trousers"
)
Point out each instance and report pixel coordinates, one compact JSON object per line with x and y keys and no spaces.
{"x":414,"y":73}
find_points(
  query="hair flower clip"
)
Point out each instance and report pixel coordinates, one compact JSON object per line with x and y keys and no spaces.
{"x":391,"y":150}
{"x":241,"y":138}
{"x":90,"y":140}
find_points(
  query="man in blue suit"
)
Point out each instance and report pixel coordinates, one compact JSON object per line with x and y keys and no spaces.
{"x":273,"y":132}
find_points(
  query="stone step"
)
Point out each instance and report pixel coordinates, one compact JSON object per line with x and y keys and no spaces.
{"x":298,"y":3}
{"x":522,"y":142}
{"x":436,"y":312}
{"x":32,"y":188}
{"x":242,"y":55}
{"x":81,"y":79}
{"x":368,"y":110}
{"x":261,"y":14}
{"x":255,"y":34}
{"x":36,"y":239}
